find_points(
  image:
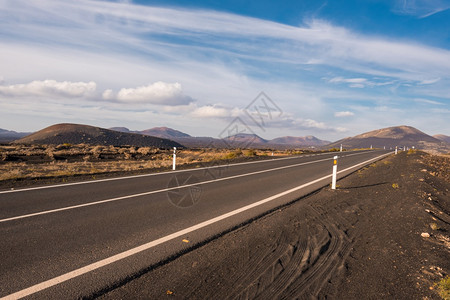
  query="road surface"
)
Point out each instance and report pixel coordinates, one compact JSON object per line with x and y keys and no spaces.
{"x":80,"y":239}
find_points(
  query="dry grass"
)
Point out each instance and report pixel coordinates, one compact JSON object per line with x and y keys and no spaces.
{"x":21,"y":161}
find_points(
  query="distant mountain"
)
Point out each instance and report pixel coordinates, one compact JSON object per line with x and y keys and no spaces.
{"x":165,"y":132}
{"x":77,"y":134}
{"x":240,"y":140}
{"x":244,"y":139}
{"x":121,"y":129}
{"x":299,"y":141}
{"x":9,"y":135}
{"x":390,"y":137}
{"x":442,"y":137}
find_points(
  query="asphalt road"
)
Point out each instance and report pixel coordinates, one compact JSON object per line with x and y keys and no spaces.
{"x":77,"y":240}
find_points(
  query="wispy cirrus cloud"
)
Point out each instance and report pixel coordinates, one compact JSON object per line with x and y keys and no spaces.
{"x":421,"y":8}
{"x":166,"y":62}
{"x":158,"y":32}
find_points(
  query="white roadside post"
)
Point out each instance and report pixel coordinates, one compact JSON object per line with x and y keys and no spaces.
{"x":174,"y":158}
{"x":341,"y":147}
{"x":396,"y":150}
{"x":333,"y":180}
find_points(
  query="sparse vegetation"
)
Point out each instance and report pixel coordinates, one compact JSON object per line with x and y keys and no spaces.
{"x":434,"y":226}
{"x":444,"y":288}
{"x":411,"y":151}
{"x":395,"y":186}
{"x":250,"y":152}
{"x":41,"y":161}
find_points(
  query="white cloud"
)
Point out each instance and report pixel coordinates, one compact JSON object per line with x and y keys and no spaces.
{"x":356,"y":85}
{"x":340,"y":114}
{"x":318,"y":42}
{"x":160,"y":93}
{"x":108,"y":94}
{"x":430,"y":81}
{"x":228,"y":61}
{"x":421,"y":8}
{"x":348,"y":80}
{"x":211,"y":111}
{"x":427,"y":101}
{"x":50,"y":88}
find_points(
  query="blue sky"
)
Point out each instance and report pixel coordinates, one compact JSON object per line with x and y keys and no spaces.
{"x":330,"y":68}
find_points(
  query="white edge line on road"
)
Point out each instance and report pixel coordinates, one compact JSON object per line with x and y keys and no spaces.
{"x":86,"y":269}
{"x":156,"y":191}
{"x":152,"y":174}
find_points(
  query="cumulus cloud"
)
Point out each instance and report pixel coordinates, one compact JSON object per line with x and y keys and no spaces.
{"x":160,"y":93}
{"x":50,"y":88}
{"x":341,"y":114}
{"x":212,"y":111}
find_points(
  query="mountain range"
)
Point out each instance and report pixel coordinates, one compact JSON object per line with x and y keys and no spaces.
{"x":8,"y":135}
{"x":241,"y":140}
{"x":401,"y":136}
{"x":77,"y":134}
{"x":164,"y":137}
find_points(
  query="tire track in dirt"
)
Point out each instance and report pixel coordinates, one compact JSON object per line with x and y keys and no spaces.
{"x":300,"y":267}
{"x":324,"y":259}
{"x":272,"y":264}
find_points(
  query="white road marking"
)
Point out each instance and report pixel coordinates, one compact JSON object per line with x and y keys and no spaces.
{"x":86,"y":269}
{"x":147,"y":175}
{"x":155,"y":192}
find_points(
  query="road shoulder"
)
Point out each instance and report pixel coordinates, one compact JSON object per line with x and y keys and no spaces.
{"x":367,"y":239}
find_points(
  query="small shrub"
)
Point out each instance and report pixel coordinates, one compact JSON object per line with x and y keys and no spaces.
{"x":395,"y":185}
{"x":444,"y":288}
{"x":144,"y":150}
{"x":50,"y":152}
{"x":232,"y":155}
{"x":96,"y":151}
{"x":250,"y":153}
{"x":434,"y":226}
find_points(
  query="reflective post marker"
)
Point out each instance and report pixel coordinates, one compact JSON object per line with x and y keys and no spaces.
{"x":174,"y":158}
{"x":396,"y":150}
{"x":341,"y":148}
{"x":333,"y":180}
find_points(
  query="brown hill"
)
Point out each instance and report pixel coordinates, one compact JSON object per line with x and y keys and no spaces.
{"x":442,"y":137}
{"x":299,"y":141}
{"x":165,"y":132}
{"x":390,"y":137}
{"x":77,"y":134}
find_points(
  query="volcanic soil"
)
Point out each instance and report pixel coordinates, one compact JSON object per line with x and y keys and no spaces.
{"x":383,"y":234}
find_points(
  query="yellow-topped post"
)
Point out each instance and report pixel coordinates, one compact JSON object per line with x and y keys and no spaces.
{"x":333,"y":180}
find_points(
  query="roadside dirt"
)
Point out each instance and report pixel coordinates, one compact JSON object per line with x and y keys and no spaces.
{"x":366,"y":240}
